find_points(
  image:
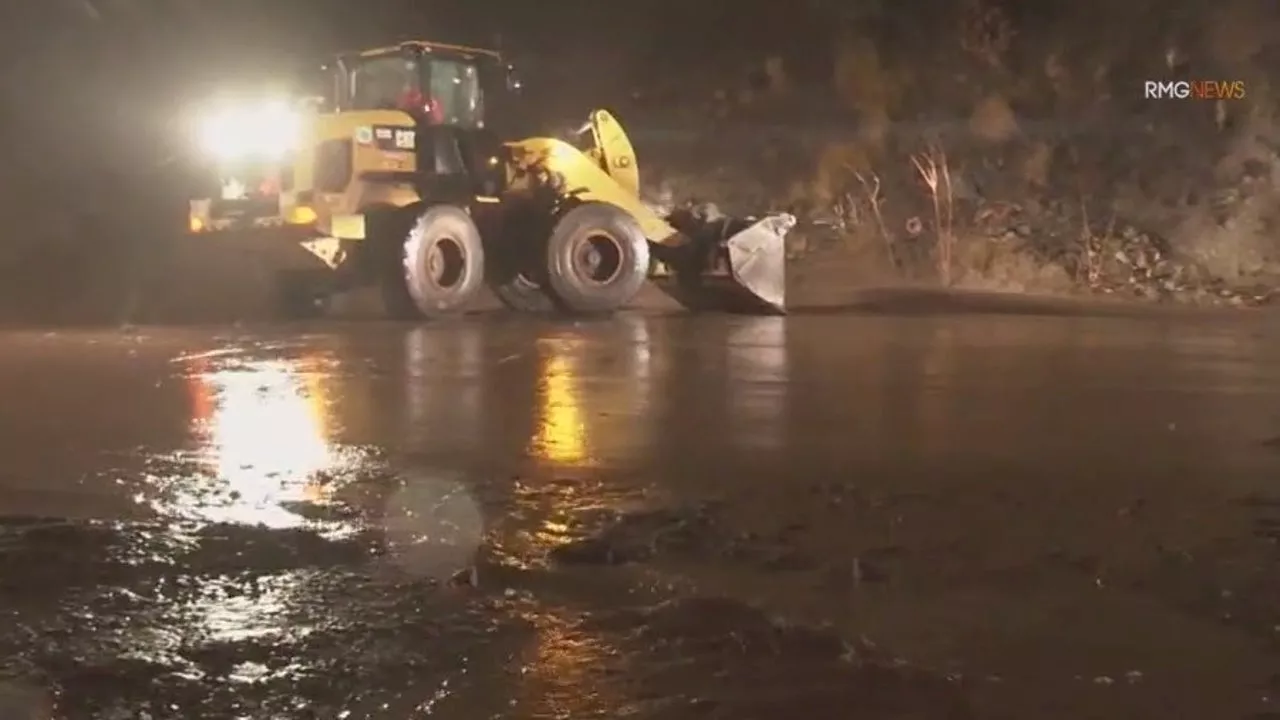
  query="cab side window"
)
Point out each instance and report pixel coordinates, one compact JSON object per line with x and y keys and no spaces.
{"x":455,"y":87}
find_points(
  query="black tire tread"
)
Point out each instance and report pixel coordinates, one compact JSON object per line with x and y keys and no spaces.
{"x":576,"y":295}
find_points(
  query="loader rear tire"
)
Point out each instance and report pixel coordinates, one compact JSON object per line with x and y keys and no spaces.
{"x":597,"y":259}
{"x":442,"y":263}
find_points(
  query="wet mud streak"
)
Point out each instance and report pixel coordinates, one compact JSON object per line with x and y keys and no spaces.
{"x":126,"y":620}
{"x":223,"y":621}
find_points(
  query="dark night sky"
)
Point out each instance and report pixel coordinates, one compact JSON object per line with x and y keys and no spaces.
{"x":265,"y":28}
{"x":128,"y":68}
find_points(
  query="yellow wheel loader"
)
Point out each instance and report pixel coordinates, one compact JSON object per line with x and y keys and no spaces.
{"x":400,"y":176}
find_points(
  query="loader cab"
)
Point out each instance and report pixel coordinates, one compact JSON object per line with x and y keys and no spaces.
{"x":445,"y":90}
{"x":445,"y":85}
{"x":451,"y":95}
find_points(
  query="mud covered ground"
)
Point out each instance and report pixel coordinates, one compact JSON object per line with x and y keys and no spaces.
{"x":880,"y":514}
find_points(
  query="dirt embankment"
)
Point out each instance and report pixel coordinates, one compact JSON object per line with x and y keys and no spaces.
{"x":985,"y":147}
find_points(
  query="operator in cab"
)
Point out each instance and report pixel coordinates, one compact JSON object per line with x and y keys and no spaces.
{"x":415,"y":102}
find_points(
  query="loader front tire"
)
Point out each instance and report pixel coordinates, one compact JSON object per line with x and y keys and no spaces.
{"x":442,"y":262}
{"x":597,"y":259}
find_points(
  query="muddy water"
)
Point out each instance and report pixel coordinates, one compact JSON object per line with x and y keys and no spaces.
{"x":965,"y":516}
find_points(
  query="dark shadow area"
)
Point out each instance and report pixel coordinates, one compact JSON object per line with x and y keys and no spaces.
{"x":938,"y":301}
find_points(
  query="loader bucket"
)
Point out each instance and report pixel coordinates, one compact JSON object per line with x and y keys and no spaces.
{"x":748,"y":275}
{"x":758,"y":260}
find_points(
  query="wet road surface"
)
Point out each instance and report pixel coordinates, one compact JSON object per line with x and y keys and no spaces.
{"x":828,"y":516}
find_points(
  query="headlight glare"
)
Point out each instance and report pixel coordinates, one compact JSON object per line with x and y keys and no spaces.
{"x":262,"y":131}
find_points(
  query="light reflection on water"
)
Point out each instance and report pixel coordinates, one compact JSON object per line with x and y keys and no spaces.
{"x":266,"y":437}
{"x":592,"y":407}
{"x":265,"y":440}
{"x":226,"y":616}
{"x":559,"y":675}
{"x":561,"y":435}
{"x":759,"y":369}
{"x":444,"y":385}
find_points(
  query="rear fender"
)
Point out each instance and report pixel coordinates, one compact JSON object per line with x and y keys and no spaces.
{"x":343,"y":216}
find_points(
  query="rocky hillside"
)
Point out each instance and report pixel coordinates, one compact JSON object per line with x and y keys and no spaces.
{"x":1016,"y":142}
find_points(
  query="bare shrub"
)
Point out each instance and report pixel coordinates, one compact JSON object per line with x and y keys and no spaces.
{"x":1094,"y":249}
{"x":871,"y":187}
{"x":933,"y":170}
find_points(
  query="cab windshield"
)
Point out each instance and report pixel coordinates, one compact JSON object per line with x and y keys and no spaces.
{"x":447,"y":90}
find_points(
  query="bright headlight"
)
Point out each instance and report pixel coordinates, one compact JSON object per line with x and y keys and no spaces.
{"x":266,"y":130}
